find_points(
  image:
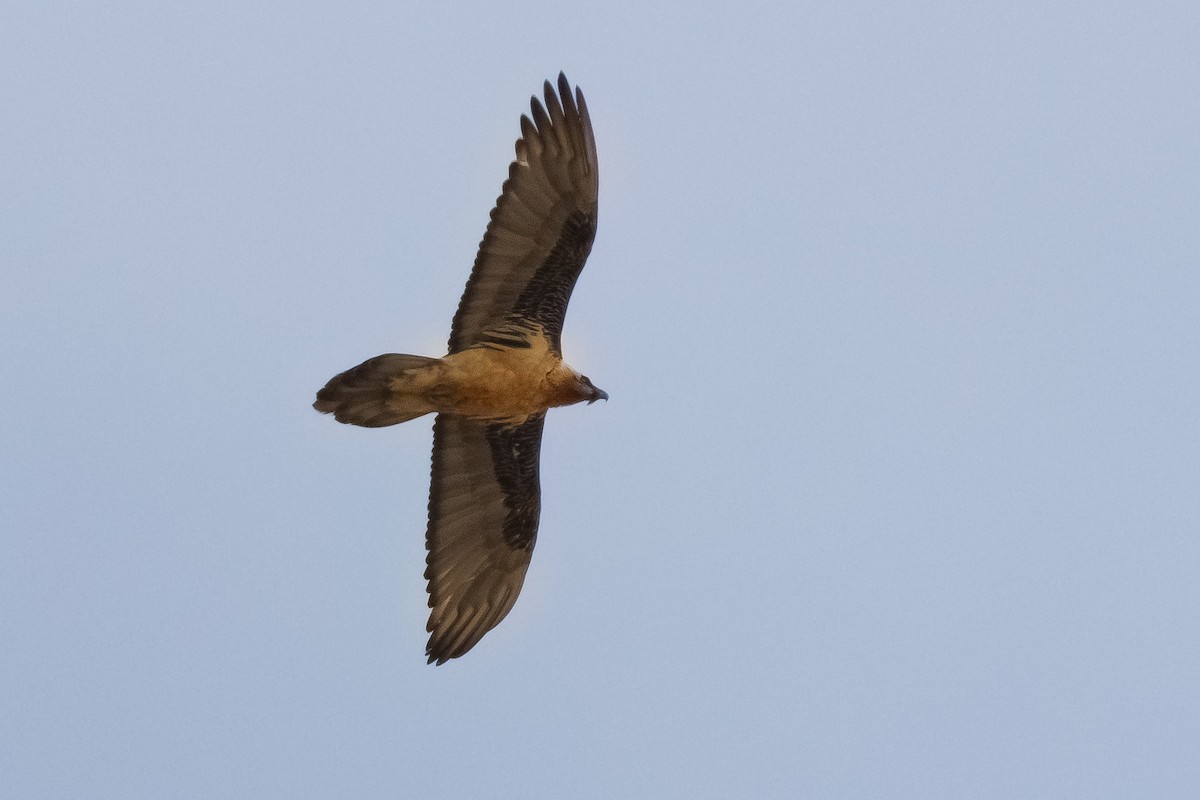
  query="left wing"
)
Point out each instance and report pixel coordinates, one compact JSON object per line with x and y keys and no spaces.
{"x":484,"y":504}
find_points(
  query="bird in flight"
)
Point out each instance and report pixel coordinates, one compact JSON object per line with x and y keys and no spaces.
{"x":503,"y":372}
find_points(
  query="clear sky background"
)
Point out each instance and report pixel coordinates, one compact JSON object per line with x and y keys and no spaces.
{"x":897,"y":495}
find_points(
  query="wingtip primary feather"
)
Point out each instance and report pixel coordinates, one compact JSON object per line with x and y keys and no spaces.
{"x":457,"y":636}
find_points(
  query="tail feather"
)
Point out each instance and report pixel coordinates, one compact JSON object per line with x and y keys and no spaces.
{"x":364,"y":396}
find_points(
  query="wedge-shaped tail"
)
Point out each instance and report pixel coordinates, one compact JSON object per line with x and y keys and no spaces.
{"x":364,"y":395}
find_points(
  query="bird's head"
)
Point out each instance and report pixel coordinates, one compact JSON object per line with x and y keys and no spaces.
{"x":588,"y":390}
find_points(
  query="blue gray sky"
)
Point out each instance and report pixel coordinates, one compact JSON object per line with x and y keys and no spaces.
{"x":896,"y":495}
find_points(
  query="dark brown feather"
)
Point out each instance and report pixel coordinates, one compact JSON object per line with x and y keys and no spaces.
{"x":362,"y":395}
{"x":542,"y":227}
{"x":484,"y":505}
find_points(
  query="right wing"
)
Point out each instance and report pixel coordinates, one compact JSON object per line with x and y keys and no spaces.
{"x":542,"y":227}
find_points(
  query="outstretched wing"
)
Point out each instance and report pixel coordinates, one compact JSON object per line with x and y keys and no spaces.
{"x":542,"y":227}
{"x":484,"y":504}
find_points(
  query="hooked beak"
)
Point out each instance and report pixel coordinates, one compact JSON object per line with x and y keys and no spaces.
{"x":597,"y":394}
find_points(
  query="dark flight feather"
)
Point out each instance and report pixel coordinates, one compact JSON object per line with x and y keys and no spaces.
{"x":484,"y":504}
{"x":542,"y":227}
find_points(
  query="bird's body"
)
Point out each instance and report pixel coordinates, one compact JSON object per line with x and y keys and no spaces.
{"x":503,"y":373}
{"x":488,"y":382}
{"x":500,"y":383}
